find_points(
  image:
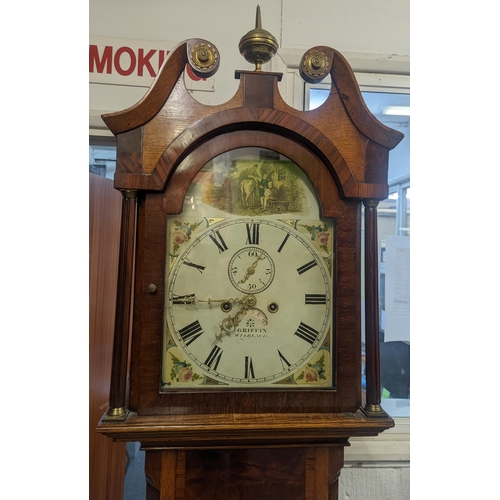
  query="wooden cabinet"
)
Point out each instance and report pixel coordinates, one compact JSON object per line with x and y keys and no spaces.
{"x":107,"y":459}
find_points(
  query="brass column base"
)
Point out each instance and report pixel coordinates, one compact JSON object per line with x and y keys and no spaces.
{"x":116,"y":415}
{"x":374,"y":411}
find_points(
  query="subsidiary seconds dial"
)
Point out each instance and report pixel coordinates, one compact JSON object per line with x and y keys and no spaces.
{"x":251,"y":270}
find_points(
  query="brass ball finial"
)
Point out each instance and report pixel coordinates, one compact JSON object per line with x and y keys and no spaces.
{"x":258,"y":46}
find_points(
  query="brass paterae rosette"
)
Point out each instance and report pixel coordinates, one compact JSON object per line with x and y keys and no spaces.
{"x":203,"y":56}
{"x":258,"y":46}
{"x":315,"y":64}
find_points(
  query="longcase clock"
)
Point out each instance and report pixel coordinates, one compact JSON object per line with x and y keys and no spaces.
{"x":237,"y":354}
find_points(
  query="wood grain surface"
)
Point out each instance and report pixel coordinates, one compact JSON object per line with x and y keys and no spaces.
{"x":309,"y":473}
{"x":106,"y":458}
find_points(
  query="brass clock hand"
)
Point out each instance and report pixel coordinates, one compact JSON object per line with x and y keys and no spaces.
{"x":251,"y":269}
{"x":184,"y":299}
{"x":230,"y":323}
{"x":227,"y":304}
{"x":227,"y":327}
{"x":247,"y":301}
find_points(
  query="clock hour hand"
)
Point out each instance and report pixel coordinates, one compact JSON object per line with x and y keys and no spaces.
{"x":230,"y":323}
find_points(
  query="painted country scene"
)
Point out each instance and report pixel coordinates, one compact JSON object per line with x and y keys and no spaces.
{"x":260,"y":182}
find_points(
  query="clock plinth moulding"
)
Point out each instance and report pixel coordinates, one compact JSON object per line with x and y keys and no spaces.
{"x":235,"y":424}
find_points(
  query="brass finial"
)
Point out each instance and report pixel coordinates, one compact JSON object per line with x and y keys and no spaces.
{"x":258,"y":46}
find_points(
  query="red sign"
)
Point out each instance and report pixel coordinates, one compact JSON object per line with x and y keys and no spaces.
{"x":126,"y":61}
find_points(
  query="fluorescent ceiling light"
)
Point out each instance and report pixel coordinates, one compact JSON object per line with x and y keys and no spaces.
{"x":396,"y":110}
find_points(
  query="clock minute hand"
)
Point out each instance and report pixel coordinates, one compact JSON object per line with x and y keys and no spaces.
{"x":191,"y":299}
{"x":227,"y":304}
{"x":184,"y":299}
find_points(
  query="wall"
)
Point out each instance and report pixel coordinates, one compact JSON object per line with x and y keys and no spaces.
{"x":374,"y":37}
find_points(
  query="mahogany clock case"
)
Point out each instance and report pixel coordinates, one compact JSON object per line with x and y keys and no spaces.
{"x":153,"y":210}
{"x":164,"y":141}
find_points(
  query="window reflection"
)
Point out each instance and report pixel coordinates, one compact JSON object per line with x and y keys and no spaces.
{"x":102,"y":156}
{"x":393,"y":231}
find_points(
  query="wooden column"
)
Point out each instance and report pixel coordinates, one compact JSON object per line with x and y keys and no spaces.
{"x":118,"y":386}
{"x":372,"y":325}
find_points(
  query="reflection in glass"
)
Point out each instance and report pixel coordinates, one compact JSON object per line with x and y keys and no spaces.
{"x":393,"y":221}
{"x":406,"y":228}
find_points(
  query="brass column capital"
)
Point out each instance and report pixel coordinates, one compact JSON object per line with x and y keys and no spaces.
{"x":129,"y":193}
{"x":370,"y":203}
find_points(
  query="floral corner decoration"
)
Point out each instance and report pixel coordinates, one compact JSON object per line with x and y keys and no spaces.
{"x":313,"y":372}
{"x":182,"y":371}
{"x":320,"y":235}
{"x":182,"y":233}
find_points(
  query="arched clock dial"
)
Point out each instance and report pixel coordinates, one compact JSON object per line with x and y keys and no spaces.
{"x":249,"y":303}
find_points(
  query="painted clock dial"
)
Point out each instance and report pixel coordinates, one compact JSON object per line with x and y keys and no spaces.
{"x":249,"y":298}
